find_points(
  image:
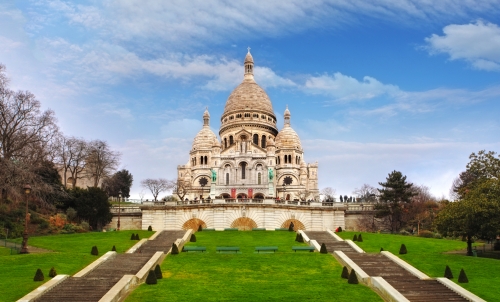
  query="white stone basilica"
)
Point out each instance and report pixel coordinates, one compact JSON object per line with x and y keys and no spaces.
{"x":252,"y":159}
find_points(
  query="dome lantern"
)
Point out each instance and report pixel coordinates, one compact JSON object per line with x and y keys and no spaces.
{"x":206,"y":118}
{"x":248,"y":65}
{"x":286,"y":117}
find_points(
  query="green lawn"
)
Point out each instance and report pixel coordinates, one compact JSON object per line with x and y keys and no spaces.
{"x":428,"y":255}
{"x":248,"y":276}
{"x":71,"y":254}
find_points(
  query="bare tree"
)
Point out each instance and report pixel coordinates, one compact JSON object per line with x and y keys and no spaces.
{"x":181,"y":188}
{"x":101,"y":161}
{"x":366,"y":193}
{"x":72,"y":153}
{"x":156,"y":186}
{"x":329,"y":193}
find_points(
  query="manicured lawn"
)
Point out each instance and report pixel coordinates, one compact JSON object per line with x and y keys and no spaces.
{"x":248,"y":276}
{"x":428,"y":255}
{"x":71,"y":254}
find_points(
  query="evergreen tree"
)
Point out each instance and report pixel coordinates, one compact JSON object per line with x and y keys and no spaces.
{"x":38,"y":275}
{"x":52,"y":272}
{"x":323,"y":250}
{"x":151,"y":278}
{"x":462,"y":278}
{"x":158,"y":272}
{"x":355,"y":238}
{"x":447,"y":273}
{"x":175,"y":249}
{"x":132,"y":237}
{"x":353,"y":279}
{"x":402,"y":249}
{"x":113,"y":249}
{"x":381,"y":249}
{"x":150,"y":228}
{"x":94,"y":251}
{"x":395,"y":193}
{"x":360,"y":239}
{"x":345,"y":273}
{"x":193,"y":238}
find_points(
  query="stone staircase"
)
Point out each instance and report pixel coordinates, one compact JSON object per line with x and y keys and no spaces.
{"x":94,"y":285}
{"x":378,"y":265}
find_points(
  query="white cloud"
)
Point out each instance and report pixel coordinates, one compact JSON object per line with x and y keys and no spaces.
{"x":478,"y":43}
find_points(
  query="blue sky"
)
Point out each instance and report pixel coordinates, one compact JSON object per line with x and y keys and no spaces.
{"x":373,"y":86}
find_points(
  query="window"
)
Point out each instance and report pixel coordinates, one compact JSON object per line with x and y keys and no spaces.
{"x":247,"y":114}
{"x":256,"y":139}
{"x":263,"y":141}
{"x":255,"y":115}
{"x":238,"y":115}
{"x":231,"y":140}
{"x":227,"y":178}
{"x":263,"y":117}
{"x":289,"y":159}
{"x":206,"y":160}
{"x":225,"y":142}
{"x":243,"y":166}
{"x":286,"y":159}
{"x":231,"y":117}
{"x":259,"y":176}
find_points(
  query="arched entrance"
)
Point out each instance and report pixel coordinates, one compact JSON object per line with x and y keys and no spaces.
{"x":241,"y":195}
{"x":225,"y":195}
{"x":194,"y":224}
{"x":244,"y":224}
{"x":259,"y":196}
{"x":297,"y":225}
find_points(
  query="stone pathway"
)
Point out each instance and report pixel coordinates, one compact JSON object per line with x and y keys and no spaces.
{"x":378,"y":265}
{"x":94,"y":285}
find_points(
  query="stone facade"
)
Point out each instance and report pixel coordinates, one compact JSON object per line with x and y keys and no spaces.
{"x":252,"y":159}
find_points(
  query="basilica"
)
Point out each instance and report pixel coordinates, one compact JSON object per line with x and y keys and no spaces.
{"x":252,"y":159}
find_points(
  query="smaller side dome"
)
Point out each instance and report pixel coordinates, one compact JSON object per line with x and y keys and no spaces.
{"x":287,"y":138}
{"x":206,"y":138}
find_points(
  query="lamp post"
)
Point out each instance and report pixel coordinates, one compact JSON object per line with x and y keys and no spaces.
{"x":119,"y":209}
{"x":24,"y":248}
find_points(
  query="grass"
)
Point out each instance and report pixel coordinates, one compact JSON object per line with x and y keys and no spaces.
{"x":71,"y":254}
{"x":428,"y":255}
{"x":249,"y":276}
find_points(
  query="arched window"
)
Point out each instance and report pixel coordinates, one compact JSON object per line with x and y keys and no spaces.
{"x":243,"y":166}
{"x":263,"y":141}
{"x":227,"y":178}
{"x":206,"y":160}
{"x":289,"y":159}
{"x":231,"y":140}
{"x":259,"y":178}
{"x":225,"y":142}
{"x":286,"y":159}
{"x":256,"y":139}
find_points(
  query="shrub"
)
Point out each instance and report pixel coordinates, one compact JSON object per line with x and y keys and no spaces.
{"x":113,"y":249}
{"x":193,"y":238}
{"x":323,"y":250}
{"x":200,"y":228}
{"x":345,"y":273}
{"x":132,"y":237}
{"x":355,"y":238}
{"x":353,"y":279}
{"x":38,"y":275}
{"x":158,"y":272}
{"x":438,"y":236}
{"x":381,"y":249}
{"x":85,"y":225}
{"x":426,"y":234}
{"x":447,"y":273}
{"x":340,"y":229}
{"x":52,"y":272}
{"x":297,"y":237}
{"x":290,"y":227}
{"x":151,"y":279}
{"x":360,"y":239}
{"x":150,"y":228}
{"x":462,"y":278}
{"x":175,"y":249}
{"x":137,"y":237}
{"x":94,"y":251}
{"x":404,"y":233}
{"x":402,"y":249}
{"x":71,"y":214}
{"x":301,"y":239}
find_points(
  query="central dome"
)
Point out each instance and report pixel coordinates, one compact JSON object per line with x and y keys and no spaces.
{"x":248,"y":95}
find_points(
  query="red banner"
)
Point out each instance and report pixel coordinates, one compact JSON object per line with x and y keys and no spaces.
{"x":250,"y":193}
{"x":233,"y":193}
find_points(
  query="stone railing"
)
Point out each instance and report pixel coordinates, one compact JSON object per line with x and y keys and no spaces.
{"x":134,"y":209}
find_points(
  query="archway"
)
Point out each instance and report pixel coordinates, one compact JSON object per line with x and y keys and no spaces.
{"x":244,"y":224}
{"x":297,"y":225}
{"x":259,"y":196}
{"x":225,"y":195}
{"x":194,"y":224}
{"x":241,"y":195}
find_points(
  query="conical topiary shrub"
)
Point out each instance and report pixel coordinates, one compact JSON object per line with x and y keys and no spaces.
{"x":360,"y":239}
{"x":151,"y":279}
{"x":323,"y":250}
{"x":113,"y":249}
{"x":38,"y":275}
{"x":353,"y":279}
{"x":175,"y":249}
{"x":158,"y":272}
{"x":193,"y":238}
{"x":150,"y":228}
{"x":381,"y":249}
{"x":137,"y":237}
{"x":290,"y":227}
{"x":94,"y":251}
{"x":200,"y":228}
{"x":345,"y":273}
{"x":340,"y":229}
{"x":355,"y":238}
{"x":297,"y":237}
{"x":301,"y":239}
{"x":462,"y":278}
{"x":402,"y":249}
{"x":132,"y":237}
{"x":447,"y":273}
{"x":52,"y":272}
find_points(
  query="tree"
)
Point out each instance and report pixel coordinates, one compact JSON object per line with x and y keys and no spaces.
{"x":394,"y":195}
{"x":101,"y":161}
{"x":366,"y":193}
{"x":156,"y":186}
{"x":71,"y":156}
{"x":422,"y":209}
{"x":329,"y":193}
{"x":121,"y":181}
{"x":181,"y":188}
{"x":92,"y":205}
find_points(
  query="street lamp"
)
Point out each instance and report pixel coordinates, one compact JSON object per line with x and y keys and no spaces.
{"x":24,"y":248}
{"x":119,"y":209}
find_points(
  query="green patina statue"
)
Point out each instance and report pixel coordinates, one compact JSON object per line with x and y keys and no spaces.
{"x":271,"y":174}
{"x":214,"y":175}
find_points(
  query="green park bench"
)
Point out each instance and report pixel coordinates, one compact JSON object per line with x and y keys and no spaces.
{"x":194,"y":249}
{"x":266,"y":248}
{"x":235,"y":249}
{"x":303,"y":248}
{"x":258,"y":229}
